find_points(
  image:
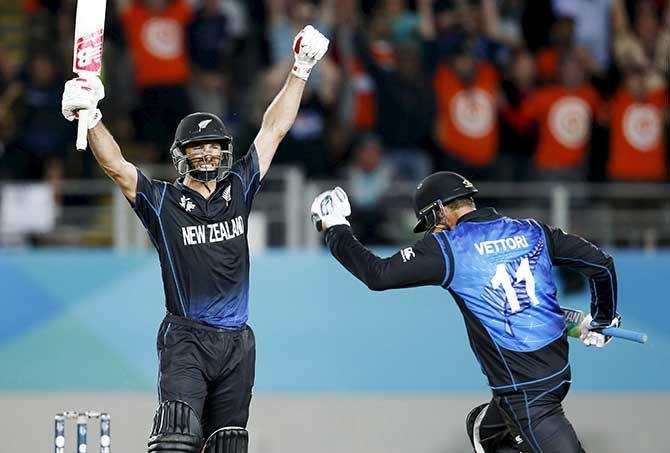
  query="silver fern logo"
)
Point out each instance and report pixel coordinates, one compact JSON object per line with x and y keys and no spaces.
{"x":186,"y":203}
{"x":203,"y":124}
{"x":226,"y":193}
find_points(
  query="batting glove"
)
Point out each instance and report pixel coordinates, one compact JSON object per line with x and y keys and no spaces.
{"x":83,"y":93}
{"x":309,"y":46}
{"x":330,"y":208}
{"x":590,"y":334}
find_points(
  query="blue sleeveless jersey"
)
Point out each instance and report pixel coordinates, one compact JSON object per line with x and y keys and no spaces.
{"x":501,"y":277}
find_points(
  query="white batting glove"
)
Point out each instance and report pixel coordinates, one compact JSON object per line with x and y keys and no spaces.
{"x":592,"y":337}
{"x":83,"y":93}
{"x":330,"y":208}
{"x":309,"y":46}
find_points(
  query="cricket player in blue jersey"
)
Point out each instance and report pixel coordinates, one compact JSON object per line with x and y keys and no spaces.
{"x":499,"y":272}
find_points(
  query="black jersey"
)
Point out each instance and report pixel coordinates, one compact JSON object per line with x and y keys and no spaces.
{"x":202,"y":244}
{"x":497,"y":269}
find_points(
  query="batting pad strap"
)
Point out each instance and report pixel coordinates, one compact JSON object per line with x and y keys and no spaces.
{"x":176,"y":429}
{"x":174,"y":443}
{"x":230,"y":439}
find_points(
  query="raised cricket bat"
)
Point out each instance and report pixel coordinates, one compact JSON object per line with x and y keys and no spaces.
{"x":573,"y":318}
{"x":89,"y":33}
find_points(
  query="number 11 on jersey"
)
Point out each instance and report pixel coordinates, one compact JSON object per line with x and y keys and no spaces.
{"x":523,"y":274}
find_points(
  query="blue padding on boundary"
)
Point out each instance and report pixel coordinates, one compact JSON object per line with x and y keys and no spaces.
{"x":317,"y":328}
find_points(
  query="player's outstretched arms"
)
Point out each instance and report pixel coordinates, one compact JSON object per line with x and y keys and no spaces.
{"x":420,"y":265}
{"x":85,"y":93}
{"x":309,"y":46}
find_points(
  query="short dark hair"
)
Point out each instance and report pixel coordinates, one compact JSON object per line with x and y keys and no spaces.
{"x":461,"y":203}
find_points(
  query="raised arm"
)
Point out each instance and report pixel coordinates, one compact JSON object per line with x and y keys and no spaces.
{"x":427,"y":28}
{"x":85,"y":93}
{"x":423,"y":264}
{"x":109,"y":157}
{"x":620,"y":21}
{"x":493,"y":28}
{"x":308,"y":46}
{"x":277,"y":120}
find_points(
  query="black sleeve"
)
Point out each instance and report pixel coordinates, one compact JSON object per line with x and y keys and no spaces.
{"x":149,"y":203}
{"x":579,"y":254}
{"x":420,"y":265}
{"x":247,"y":169}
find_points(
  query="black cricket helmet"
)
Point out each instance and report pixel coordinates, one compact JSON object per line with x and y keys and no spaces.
{"x":196,"y":128}
{"x":435,"y":191}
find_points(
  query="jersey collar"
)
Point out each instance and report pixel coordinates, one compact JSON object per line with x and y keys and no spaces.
{"x":179,"y":183}
{"x":479,"y":215}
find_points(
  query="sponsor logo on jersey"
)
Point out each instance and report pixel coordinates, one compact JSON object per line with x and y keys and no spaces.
{"x":213,"y":232}
{"x":501,"y":245}
{"x":186,"y":203}
{"x":407,"y":254}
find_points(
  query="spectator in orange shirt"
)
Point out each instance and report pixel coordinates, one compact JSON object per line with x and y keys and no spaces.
{"x":467,"y":123}
{"x":565,"y":114}
{"x":562,"y":40}
{"x":155,"y":31}
{"x":562,"y":37}
{"x":637,"y":143}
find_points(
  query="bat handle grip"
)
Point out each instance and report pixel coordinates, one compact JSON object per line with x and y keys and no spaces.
{"x":82,"y":130}
{"x":624,"y":334}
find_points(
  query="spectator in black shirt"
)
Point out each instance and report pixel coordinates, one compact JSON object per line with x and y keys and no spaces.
{"x":518,"y":135}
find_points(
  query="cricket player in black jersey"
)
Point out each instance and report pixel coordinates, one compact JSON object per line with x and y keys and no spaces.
{"x":199,"y":228}
{"x":499,"y":272}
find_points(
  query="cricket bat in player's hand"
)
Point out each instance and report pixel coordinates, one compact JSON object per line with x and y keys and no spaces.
{"x":573,"y":319}
{"x":89,"y":32}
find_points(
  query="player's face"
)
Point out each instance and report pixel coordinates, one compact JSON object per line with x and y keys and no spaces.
{"x":204,"y":156}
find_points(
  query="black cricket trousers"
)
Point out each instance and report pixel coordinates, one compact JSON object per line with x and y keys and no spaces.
{"x":211,"y":369}
{"x":529,"y":421}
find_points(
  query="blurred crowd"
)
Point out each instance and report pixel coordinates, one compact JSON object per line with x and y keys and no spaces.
{"x":507,"y":90}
